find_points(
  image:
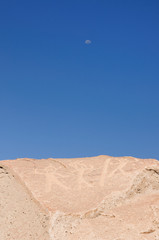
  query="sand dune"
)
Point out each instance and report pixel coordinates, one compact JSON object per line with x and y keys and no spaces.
{"x":97,"y":198}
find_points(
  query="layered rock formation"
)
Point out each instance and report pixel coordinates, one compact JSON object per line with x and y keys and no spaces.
{"x":97,"y":198}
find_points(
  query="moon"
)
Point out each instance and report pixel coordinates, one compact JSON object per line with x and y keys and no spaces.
{"x":88,"y":42}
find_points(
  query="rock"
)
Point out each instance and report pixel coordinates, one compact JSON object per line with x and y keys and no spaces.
{"x":96,"y":198}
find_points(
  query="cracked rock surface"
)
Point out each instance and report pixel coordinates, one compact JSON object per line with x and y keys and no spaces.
{"x":96,"y":198}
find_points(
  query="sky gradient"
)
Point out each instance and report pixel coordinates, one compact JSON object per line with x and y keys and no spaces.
{"x":61,"y":97}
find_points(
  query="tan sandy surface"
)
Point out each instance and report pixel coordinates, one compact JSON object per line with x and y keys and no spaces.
{"x":96,"y":198}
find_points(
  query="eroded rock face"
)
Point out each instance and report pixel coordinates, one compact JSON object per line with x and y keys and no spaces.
{"x":93,"y":198}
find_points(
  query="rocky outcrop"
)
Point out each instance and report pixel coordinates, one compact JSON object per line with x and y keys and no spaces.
{"x":97,"y":198}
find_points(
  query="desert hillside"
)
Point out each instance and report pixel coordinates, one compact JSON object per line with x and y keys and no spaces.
{"x":96,"y":198}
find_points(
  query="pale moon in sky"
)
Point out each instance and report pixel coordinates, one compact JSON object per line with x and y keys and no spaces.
{"x":88,"y":42}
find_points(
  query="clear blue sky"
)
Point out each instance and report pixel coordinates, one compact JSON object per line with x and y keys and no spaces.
{"x":60,"y":97}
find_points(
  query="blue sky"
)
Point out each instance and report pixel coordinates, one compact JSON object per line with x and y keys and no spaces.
{"x":60,"y":97}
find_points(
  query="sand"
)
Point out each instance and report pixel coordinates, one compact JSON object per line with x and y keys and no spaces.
{"x":97,"y":198}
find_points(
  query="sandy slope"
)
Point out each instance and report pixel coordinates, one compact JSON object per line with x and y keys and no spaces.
{"x":20,"y":217}
{"x":88,"y":199}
